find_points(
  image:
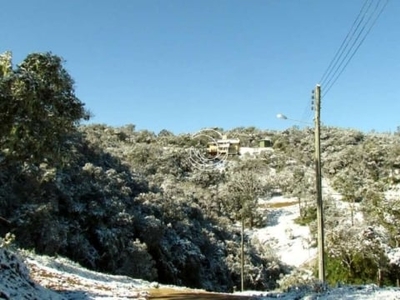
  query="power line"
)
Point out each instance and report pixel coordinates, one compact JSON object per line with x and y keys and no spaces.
{"x":344,"y":44}
{"x":339,"y":53}
{"x":344,"y":54}
{"x":335,"y":78}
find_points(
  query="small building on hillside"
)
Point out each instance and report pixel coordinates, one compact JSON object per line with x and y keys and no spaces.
{"x":224,"y":146}
{"x":266,"y":143}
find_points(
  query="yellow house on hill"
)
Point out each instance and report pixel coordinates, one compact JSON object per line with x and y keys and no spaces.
{"x":224,"y":146}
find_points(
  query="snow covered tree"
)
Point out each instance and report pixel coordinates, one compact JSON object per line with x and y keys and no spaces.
{"x":38,"y":107}
{"x":244,"y":189}
{"x":356,"y":255}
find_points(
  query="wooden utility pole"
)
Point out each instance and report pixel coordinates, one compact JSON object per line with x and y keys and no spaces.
{"x":242,"y":256}
{"x":320,"y":207}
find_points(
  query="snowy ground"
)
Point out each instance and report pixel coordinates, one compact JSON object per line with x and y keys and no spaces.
{"x":366,"y":292}
{"x":59,"y":279}
{"x":292,"y":245}
{"x":40,"y":277}
{"x":290,"y":241}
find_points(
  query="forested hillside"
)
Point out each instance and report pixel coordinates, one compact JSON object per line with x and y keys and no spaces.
{"x":132,"y":202}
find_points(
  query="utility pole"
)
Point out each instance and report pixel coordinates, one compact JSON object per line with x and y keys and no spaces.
{"x":320,"y":207}
{"x":242,"y":256}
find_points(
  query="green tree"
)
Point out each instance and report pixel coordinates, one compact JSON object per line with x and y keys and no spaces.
{"x":38,"y":107}
{"x":356,"y":255}
{"x":244,"y":189}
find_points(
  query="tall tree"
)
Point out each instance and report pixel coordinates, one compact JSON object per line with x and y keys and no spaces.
{"x":244,"y":189}
{"x":38,"y":107}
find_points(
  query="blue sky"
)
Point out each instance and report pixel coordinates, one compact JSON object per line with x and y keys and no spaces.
{"x":184,"y":65}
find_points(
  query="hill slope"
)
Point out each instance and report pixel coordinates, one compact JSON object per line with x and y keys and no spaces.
{"x":126,"y":202}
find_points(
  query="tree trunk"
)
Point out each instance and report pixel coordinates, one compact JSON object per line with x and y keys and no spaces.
{"x":242,"y":256}
{"x":379,"y":277}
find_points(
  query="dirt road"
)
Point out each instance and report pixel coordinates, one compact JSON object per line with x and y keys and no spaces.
{"x":173,"y":294}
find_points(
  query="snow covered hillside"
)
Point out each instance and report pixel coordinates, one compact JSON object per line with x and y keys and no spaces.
{"x":29,"y":276}
{"x":41,"y":277}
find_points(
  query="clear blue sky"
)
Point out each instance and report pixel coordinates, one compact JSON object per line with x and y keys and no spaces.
{"x":184,"y":65}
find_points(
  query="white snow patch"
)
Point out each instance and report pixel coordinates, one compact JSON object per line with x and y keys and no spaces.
{"x":393,"y":193}
{"x":394,"y":256}
{"x":290,"y":240}
{"x":253,"y":151}
{"x":58,"y":278}
{"x":362,"y":292}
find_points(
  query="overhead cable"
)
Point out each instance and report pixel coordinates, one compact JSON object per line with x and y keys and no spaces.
{"x":372,"y":21}
{"x":356,"y":24}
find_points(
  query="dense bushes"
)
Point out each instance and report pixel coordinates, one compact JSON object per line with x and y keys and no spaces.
{"x":132,"y":202}
{"x":107,"y":211}
{"x":125,"y":207}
